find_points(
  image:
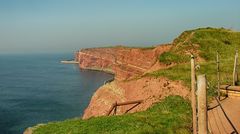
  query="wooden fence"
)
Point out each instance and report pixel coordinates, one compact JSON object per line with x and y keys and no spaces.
{"x":116,"y":105}
{"x":200,"y":119}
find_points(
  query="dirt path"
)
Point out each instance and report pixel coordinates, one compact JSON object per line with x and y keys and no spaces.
{"x":186,"y":40}
{"x":217,"y":122}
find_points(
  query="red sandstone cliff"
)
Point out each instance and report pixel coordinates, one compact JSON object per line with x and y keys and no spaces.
{"x":127,"y":63}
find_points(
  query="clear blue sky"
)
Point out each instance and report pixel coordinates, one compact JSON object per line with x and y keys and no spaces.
{"x":29,"y":26}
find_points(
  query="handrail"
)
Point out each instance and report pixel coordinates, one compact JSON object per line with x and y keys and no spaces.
{"x":230,"y":88}
{"x":129,"y":102}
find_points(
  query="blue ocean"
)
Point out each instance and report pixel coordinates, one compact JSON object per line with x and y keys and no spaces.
{"x":37,"y":88}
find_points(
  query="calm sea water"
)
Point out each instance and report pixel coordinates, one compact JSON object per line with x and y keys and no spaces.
{"x":38,"y":89}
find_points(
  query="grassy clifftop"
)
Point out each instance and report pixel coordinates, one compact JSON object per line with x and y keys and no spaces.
{"x":169,"y":116}
{"x":204,"y":43}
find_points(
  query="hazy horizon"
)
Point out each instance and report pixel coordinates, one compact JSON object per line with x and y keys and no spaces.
{"x":52,"y":26}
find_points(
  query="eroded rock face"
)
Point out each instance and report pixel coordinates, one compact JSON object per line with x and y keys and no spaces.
{"x":125,"y":63}
{"x":149,"y":89}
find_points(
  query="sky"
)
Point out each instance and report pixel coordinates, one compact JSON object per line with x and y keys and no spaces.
{"x":52,"y":26}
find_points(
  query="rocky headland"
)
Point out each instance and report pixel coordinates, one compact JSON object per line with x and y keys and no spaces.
{"x":129,"y":65}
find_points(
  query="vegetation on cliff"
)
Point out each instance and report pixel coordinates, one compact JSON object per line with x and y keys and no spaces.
{"x":204,"y":43}
{"x":169,"y":116}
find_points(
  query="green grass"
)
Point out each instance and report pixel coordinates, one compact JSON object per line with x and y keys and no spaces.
{"x":182,"y":72}
{"x":224,"y":41}
{"x":209,"y":41}
{"x":170,"y":116}
{"x":170,"y":57}
{"x":206,"y":40}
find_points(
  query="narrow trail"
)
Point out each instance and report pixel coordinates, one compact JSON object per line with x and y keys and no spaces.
{"x":217,"y":122}
{"x":186,"y":40}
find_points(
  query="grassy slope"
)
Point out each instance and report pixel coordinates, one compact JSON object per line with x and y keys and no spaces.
{"x":169,"y":116}
{"x":207,"y":41}
{"x":173,"y":114}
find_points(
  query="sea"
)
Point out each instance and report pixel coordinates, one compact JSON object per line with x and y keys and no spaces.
{"x":37,"y":88}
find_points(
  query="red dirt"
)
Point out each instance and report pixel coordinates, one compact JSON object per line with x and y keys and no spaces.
{"x":149,"y":89}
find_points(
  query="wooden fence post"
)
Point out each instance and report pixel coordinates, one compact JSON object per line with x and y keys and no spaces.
{"x":202,"y":104}
{"x":218,"y":76}
{"x":193,"y":95}
{"x":115,"y":109}
{"x":235,"y":79}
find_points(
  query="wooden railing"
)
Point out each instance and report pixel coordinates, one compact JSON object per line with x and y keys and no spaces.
{"x":116,"y":105}
{"x":230,"y":88}
{"x":200,"y":124}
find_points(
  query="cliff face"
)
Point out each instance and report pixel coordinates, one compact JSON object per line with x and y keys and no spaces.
{"x":148,"y":89}
{"x":125,"y":63}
